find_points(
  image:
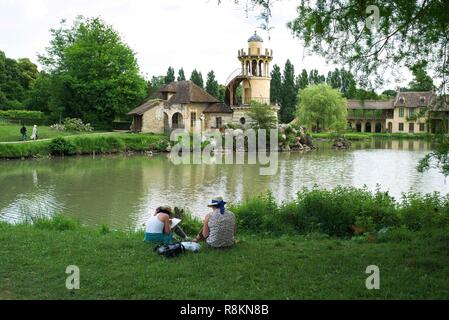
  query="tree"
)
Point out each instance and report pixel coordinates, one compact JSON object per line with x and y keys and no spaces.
{"x":346,"y":32}
{"x":155,"y":84}
{"x":276,"y":85}
{"x":302,"y":81}
{"x":221,"y":92}
{"x":289,"y":94}
{"x":181,"y":75}
{"x":17,"y":78}
{"x":170,"y":77}
{"x":197,"y":78}
{"x":95,"y":74}
{"x":262,"y":115}
{"x":322,"y":107}
{"x":422,"y":81}
{"x":212,"y":85}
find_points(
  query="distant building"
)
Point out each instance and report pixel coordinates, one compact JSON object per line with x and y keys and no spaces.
{"x":408,"y":112}
{"x":184,"y":105}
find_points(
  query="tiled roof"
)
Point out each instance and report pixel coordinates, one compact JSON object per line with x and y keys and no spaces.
{"x":414,"y":99}
{"x":185,"y":92}
{"x":145,"y":107}
{"x":370,"y":104}
{"x":218,"y":108}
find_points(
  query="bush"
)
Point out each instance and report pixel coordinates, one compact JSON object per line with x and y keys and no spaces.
{"x":61,"y":147}
{"x":74,"y":124}
{"x":22,"y":114}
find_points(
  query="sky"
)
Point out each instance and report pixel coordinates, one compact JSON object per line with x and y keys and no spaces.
{"x":181,"y":33}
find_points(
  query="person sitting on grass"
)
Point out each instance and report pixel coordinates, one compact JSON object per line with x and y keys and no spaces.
{"x":159,"y":229}
{"x":220,"y":226}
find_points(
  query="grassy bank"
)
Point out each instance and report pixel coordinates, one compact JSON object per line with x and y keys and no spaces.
{"x":85,"y":144}
{"x":304,"y":249}
{"x":333,"y":212}
{"x":11,"y":133}
{"x":356,"y":136}
{"x":118,"y":265}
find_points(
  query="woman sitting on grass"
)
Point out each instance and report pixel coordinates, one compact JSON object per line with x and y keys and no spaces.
{"x":220,"y":227}
{"x":159,"y":228}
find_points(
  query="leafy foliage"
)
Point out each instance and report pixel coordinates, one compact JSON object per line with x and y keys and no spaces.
{"x":17,"y":78}
{"x":212,"y":85}
{"x":197,"y":78}
{"x":322,"y":107}
{"x":262,"y":115}
{"x":94,"y":75}
{"x":170,"y":77}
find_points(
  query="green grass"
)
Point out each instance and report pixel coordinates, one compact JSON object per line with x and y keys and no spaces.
{"x":119,"y":265}
{"x":98,"y":143}
{"x":355,"y":136}
{"x":11,"y":133}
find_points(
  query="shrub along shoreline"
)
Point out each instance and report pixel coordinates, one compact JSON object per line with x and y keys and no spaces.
{"x":296,"y":258}
{"x":85,"y":144}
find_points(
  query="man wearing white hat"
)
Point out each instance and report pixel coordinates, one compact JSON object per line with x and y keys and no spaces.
{"x":219,"y":228}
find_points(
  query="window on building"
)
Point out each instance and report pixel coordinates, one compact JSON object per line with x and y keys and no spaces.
{"x":411,"y":112}
{"x":401,"y":112}
{"x":422,"y":110}
{"x":193,"y":120}
{"x":422,"y":127}
{"x":411,"y":127}
{"x":219,"y":122}
{"x":401,"y":126}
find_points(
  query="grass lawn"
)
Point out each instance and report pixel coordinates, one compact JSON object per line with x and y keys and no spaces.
{"x":118,"y":265}
{"x":11,"y":133}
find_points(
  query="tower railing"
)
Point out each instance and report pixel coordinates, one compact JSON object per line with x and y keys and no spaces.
{"x":237,"y":72}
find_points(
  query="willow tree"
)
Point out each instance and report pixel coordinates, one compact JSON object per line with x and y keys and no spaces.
{"x":322,"y":108}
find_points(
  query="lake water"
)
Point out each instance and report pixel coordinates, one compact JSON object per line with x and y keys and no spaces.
{"x":122,"y":191}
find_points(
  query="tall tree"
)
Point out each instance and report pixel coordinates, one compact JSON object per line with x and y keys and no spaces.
{"x":212,"y":85}
{"x":322,"y":107}
{"x":197,"y":78}
{"x":181,"y":75}
{"x":276,"y":85}
{"x":155,"y":84}
{"x":302,"y":81}
{"x":289,"y":94}
{"x":422,"y":81}
{"x":96,"y":75}
{"x":170,"y":76}
{"x":17,"y":78}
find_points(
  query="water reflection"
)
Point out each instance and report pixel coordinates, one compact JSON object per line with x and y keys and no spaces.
{"x":122,"y":191}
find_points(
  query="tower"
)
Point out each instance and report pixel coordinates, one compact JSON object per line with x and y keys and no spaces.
{"x":256,"y":68}
{"x":254,"y":75}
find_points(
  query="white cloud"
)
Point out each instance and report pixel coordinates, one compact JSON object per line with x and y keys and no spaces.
{"x":191,"y":34}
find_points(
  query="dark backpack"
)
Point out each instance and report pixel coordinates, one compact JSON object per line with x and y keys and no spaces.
{"x":170,"y":250}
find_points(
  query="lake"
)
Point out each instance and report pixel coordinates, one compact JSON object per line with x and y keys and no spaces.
{"x":122,"y":191}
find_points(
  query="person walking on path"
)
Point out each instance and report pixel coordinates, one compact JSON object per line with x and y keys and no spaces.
{"x":34,"y":134}
{"x":23,"y":131}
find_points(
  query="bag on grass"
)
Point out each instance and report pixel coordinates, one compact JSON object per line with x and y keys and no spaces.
{"x":170,"y":250}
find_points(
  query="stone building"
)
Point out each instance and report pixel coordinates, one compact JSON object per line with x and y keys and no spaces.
{"x":184,"y":105}
{"x":408,"y":112}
